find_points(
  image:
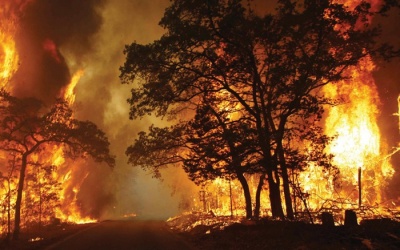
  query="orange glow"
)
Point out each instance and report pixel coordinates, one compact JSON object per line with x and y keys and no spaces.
{"x":357,"y":144}
{"x":359,"y":154}
{"x":398,"y":112}
{"x":61,"y":181}
{"x":69,"y":94}
{"x":8,"y":52}
{"x":357,"y":147}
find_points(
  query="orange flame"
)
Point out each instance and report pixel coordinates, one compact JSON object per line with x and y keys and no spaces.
{"x":359,"y":153}
{"x":64,"y":171}
{"x":8,"y":53}
{"x":69,"y":94}
{"x":358,"y":140}
{"x":364,"y":169}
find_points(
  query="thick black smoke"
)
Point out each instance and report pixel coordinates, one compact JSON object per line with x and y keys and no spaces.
{"x":45,"y":28}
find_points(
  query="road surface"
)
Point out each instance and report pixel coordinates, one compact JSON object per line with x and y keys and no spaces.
{"x":119,"y":235}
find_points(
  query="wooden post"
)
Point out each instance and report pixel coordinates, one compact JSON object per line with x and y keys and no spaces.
{"x":230,"y":197}
{"x":327,"y":219}
{"x":359,"y":188}
{"x":350,"y":218}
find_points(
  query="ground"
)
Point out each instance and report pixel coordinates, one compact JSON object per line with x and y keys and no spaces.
{"x":294,"y":235}
{"x":224,"y":233}
{"x":39,"y":238}
{"x":270,"y":234}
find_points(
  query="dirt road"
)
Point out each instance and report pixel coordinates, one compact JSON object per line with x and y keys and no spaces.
{"x":118,"y":235}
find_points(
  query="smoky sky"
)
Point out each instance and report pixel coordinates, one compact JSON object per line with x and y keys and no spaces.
{"x":45,"y":26}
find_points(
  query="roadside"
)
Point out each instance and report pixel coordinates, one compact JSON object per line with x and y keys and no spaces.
{"x":40,"y":237}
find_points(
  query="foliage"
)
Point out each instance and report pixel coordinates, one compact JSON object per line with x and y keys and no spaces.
{"x":26,"y":125}
{"x":264,"y":71}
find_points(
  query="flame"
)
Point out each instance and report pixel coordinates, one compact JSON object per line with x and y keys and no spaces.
{"x":69,"y":94}
{"x":360,"y":155}
{"x":8,"y":52}
{"x":62,"y":181}
{"x":355,"y":121}
{"x":361,"y":158}
{"x":357,"y":143}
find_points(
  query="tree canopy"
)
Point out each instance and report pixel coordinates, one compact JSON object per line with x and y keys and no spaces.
{"x":264,"y":71}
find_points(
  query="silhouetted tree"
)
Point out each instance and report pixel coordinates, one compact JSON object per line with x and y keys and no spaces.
{"x":271,"y":65}
{"x":221,"y":147}
{"x":26,"y":127}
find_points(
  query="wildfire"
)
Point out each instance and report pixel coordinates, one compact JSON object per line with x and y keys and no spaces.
{"x":8,"y":53}
{"x":356,"y":145}
{"x":69,"y":94}
{"x":51,"y":182}
{"x":364,"y":168}
{"x":360,"y":155}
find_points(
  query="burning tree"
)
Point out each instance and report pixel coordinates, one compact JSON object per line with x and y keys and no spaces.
{"x":272,"y":66}
{"x":27,"y":128}
{"x":211,"y":145}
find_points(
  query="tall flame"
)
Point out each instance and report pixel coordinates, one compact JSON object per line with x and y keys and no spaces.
{"x":364,"y":169}
{"x":357,"y":144}
{"x":359,"y":152}
{"x":63,"y":172}
{"x":355,"y":121}
{"x":8,"y":52}
{"x":69,"y":94}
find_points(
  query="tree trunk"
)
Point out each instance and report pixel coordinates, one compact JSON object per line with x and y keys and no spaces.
{"x":275,"y":195}
{"x":286,"y":182}
{"x":19,"y":198}
{"x":258,"y":196}
{"x":286,"y":191}
{"x":285,"y":179}
{"x":247,"y":195}
{"x":9,"y":210}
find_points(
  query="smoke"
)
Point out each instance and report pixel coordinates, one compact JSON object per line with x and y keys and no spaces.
{"x":46,"y":27}
{"x":133,"y":191}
